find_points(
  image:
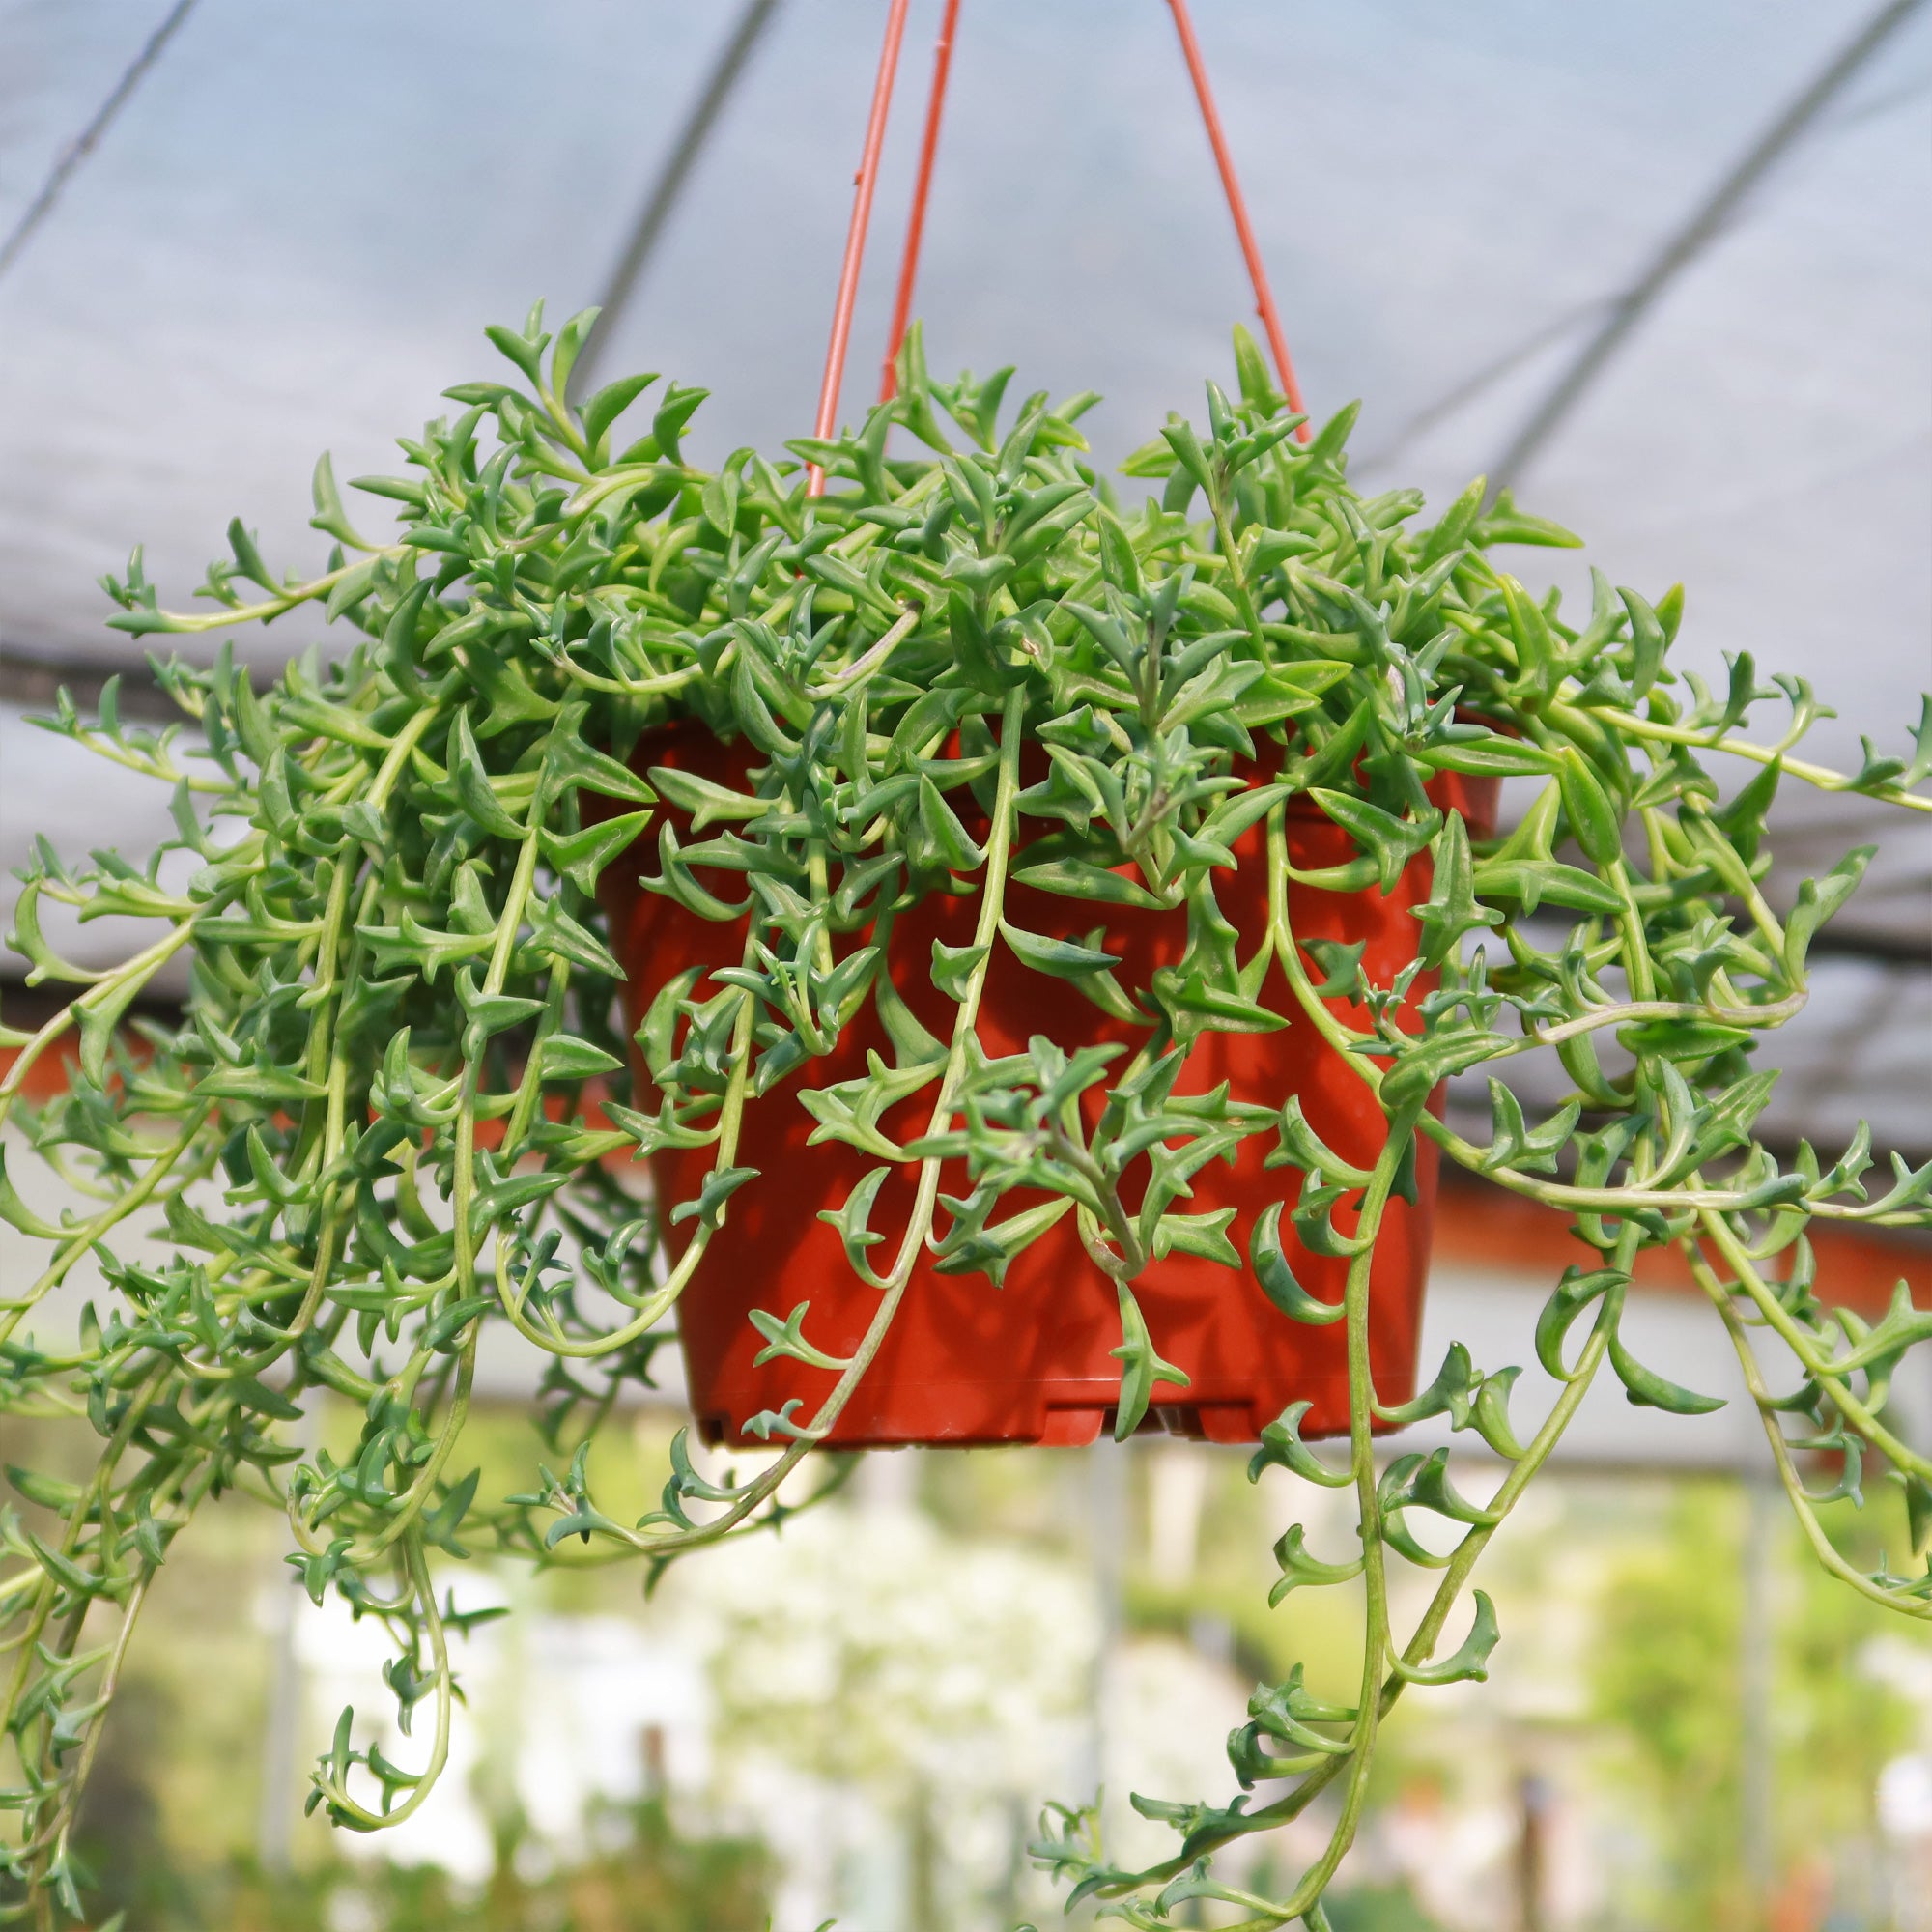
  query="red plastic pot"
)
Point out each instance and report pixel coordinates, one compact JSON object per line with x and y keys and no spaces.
{"x":966,"y":1362}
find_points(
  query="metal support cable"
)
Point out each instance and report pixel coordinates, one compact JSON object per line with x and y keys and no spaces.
{"x":1467,"y":388}
{"x":1479,"y":382}
{"x":88,"y":139}
{"x":31,"y":681}
{"x":661,"y":203}
{"x":1705,"y":222}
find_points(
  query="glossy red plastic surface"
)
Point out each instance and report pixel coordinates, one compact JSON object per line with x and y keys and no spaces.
{"x":966,"y":1362}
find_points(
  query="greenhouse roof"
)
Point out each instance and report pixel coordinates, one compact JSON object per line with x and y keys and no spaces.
{"x":290,"y":234}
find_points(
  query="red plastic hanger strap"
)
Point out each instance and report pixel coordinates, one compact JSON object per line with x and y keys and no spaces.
{"x":928,"y":147}
{"x":865,"y":183}
{"x":1197,"y":69}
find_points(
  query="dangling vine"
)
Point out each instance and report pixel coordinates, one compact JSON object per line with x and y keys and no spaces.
{"x":403,"y":1101}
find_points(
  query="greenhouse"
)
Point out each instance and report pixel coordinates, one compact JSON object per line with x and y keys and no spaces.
{"x":1014,"y":1006}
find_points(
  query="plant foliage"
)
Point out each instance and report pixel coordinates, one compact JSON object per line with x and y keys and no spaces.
{"x":400,"y":1105}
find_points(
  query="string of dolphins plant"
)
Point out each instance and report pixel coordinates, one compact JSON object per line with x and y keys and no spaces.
{"x":400,"y":1104}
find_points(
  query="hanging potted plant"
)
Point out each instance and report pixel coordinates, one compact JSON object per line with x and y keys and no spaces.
{"x":1126,"y":728}
{"x":1021,"y":935}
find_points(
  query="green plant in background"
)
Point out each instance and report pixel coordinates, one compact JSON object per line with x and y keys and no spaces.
{"x":1666,"y":1685}
{"x":641,"y":1873}
{"x":1666,"y":1681}
{"x":369,"y":1136}
{"x":1381,"y":1908}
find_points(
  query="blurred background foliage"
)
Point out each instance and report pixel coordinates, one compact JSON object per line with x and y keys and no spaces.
{"x":1612,"y":1754}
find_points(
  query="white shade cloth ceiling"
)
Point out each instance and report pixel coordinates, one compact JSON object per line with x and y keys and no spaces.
{"x":292,"y":237}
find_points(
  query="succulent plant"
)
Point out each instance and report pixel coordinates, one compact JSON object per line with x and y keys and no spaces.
{"x":402,"y":1101}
